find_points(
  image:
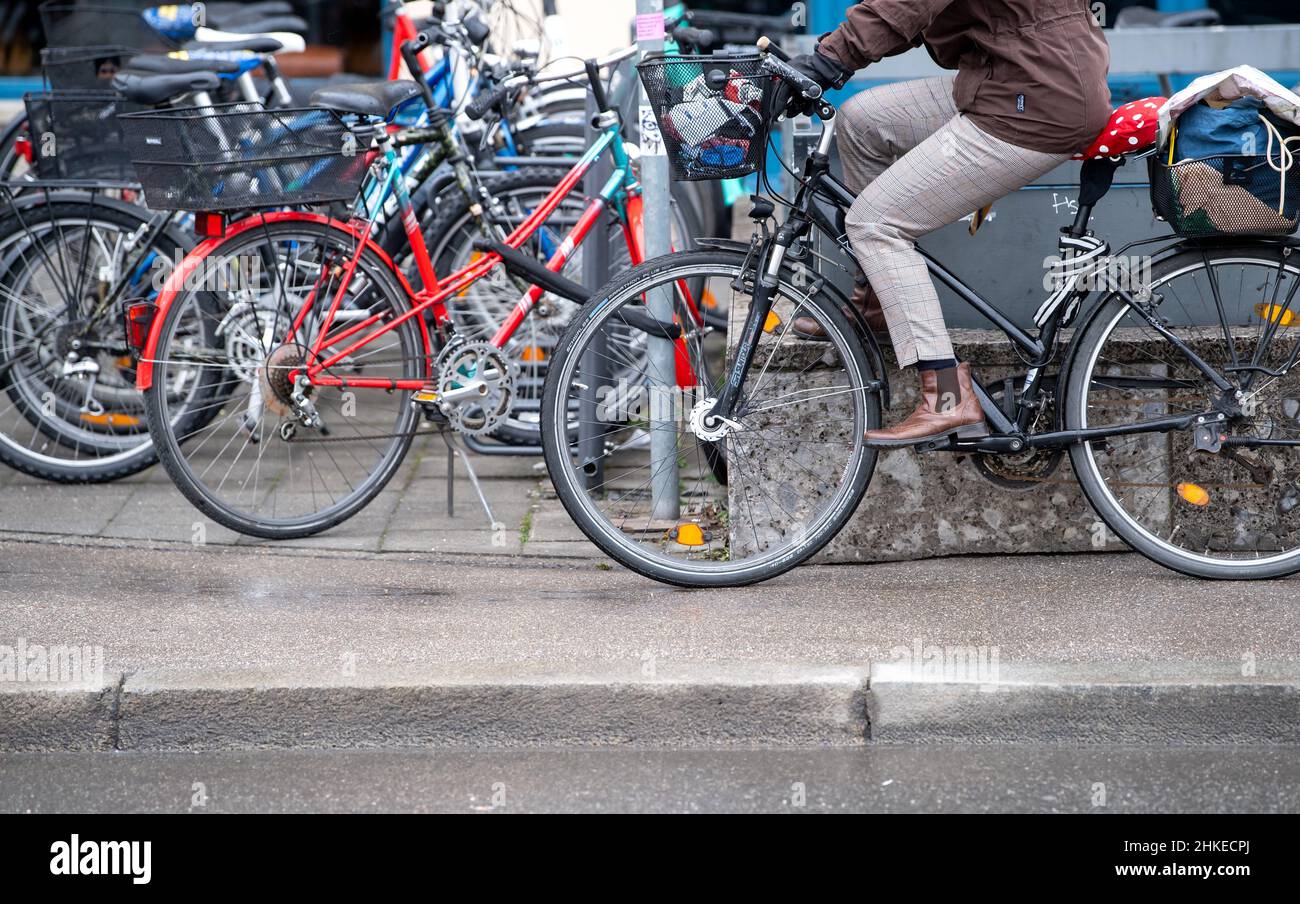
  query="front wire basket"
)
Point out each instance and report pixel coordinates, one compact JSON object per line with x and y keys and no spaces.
{"x":241,"y":156}
{"x":714,"y":112}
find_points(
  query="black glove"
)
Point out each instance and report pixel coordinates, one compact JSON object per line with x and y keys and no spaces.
{"x":823,"y":69}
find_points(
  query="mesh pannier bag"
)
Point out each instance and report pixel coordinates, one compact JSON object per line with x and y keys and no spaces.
{"x":76,"y":136}
{"x":1226,"y":195}
{"x":714,"y":112}
{"x":241,"y":156}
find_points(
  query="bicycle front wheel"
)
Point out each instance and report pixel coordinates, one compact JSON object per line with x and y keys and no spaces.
{"x":670,"y":495}
{"x":1227,"y":506}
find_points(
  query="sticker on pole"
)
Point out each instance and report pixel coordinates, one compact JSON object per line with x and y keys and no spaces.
{"x":650,"y":27}
{"x":652,"y":141}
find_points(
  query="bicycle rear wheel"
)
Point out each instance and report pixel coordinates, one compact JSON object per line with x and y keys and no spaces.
{"x":258,"y":465}
{"x":69,"y":409}
{"x":752,"y":500}
{"x":1230,"y":507}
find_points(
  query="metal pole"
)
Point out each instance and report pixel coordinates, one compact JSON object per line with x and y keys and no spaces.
{"x":595,"y":362}
{"x":664,"y":498}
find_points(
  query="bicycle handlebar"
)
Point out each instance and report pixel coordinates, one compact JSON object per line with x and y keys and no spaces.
{"x":777,"y":63}
{"x":699,"y":37}
{"x":483,"y":103}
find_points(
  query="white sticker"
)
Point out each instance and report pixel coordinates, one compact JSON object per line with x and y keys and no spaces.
{"x":652,"y":142}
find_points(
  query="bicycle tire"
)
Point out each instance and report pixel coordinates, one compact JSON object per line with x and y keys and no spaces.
{"x":1082,"y":360}
{"x":556,"y":436}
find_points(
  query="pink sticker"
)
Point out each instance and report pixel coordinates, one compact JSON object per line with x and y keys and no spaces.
{"x":650,"y":27}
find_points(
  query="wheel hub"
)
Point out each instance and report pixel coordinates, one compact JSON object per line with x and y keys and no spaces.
{"x":276,"y":380}
{"x":706,"y":426}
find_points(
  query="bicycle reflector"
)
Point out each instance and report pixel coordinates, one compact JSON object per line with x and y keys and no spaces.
{"x":23,"y":145}
{"x":139,"y":320}
{"x":688,"y":534}
{"x":1275,"y":314}
{"x":1194,"y":494}
{"x":210,"y":224}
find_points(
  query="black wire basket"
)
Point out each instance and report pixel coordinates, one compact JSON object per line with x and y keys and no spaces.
{"x":76,"y":136}
{"x":242,"y":156}
{"x":84,"y":68}
{"x":1226,"y":195}
{"x":71,"y":24}
{"x":714,"y":112}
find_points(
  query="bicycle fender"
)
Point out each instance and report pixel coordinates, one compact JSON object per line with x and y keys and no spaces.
{"x":194,"y":260}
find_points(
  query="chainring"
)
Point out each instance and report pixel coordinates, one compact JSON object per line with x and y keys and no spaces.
{"x":1029,"y":468}
{"x":485,"y":370}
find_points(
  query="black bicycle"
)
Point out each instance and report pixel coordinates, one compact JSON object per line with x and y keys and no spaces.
{"x":1173,"y":389}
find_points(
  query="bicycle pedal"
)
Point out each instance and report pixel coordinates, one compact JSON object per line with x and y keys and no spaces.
{"x":425,"y":396}
{"x":943,"y":444}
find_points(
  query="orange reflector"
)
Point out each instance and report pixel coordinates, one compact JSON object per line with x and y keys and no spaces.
{"x":688,"y":535}
{"x":1194,"y":494}
{"x":771,"y":323}
{"x":1275,"y":313}
{"x":709,"y":299}
{"x":109,"y":419}
{"x":474,"y":258}
{"x":533,"y":353}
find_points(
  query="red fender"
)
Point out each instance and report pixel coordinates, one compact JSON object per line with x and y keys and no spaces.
{"x":176,"y":280}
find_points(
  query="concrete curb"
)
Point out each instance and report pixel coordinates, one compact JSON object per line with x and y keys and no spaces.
{"x":696,"y":706}
{"x":1085,"y":705}
{"x":706,"y":708}
{"x":38,"y":718}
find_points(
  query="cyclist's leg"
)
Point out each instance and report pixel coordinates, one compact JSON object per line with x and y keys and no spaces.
{"x":881,"y":124}
{"x":956,"y":170}
{"x":877,"y":126}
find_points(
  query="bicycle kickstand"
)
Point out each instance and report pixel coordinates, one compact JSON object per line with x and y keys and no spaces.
{"x":453,"y":452}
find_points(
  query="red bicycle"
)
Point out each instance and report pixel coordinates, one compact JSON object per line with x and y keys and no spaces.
{"x":290,"y":362}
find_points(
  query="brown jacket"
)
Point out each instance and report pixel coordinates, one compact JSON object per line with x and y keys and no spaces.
{"x":1031,"y":72}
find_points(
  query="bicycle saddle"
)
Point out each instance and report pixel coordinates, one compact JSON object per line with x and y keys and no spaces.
{"x":148,"y":88}
{"x":264,"y":25}
{"x":1131,"y":129}
{"x":289,"y":42}
{"x":181,"y":62}
{"x":366,"y":98}
{"x":251,"y":43}
{"x":232,"y":15}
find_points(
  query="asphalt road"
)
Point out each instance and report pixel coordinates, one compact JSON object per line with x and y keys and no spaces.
{"x":877,"y":779}
{"x":225,"y":610}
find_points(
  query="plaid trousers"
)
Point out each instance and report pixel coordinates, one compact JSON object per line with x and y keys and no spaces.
{"x":918,"y":164}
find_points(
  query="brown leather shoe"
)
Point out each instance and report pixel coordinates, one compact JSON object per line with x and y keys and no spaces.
{"x":864,"y":299}
{"x":935,"y":417}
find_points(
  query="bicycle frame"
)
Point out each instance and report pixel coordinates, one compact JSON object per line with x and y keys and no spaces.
{"x":621,"y":193}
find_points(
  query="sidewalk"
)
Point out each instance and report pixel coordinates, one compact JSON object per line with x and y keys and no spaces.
{"x":409,"y":516}
{"x":224,"y":647}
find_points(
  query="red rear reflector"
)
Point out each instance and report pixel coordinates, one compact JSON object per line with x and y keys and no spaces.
{"x":210,"y":225}
{"x":139,"y":319}
{"x":23,"y":145}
